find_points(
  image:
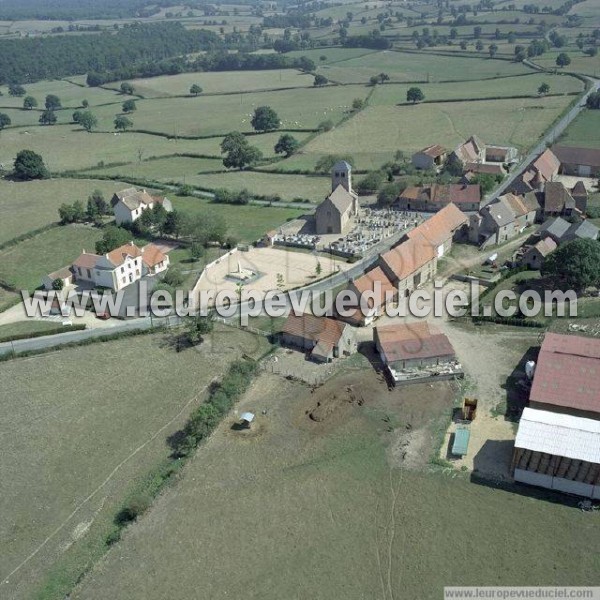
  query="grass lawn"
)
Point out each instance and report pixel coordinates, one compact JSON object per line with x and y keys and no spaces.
{"x":82,"y":443}
{"x":179,"y":85}
{"x":403,"y":66}
{"x":247,"y":223}
{"x":583,"y":131}
{"x":316,"y":510}
{"x":23,"y":265}
{"x":218,"y":115}
{"x":29,"y":205}
{"x":384,"y":129}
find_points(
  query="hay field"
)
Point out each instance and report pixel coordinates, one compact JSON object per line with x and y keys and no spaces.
{"x":321,"y":510}
{"x":68,"y":433}
{"x":583,"y":131}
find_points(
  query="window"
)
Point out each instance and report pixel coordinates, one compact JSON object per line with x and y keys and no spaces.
{"x":122,"y":269}
{"x":89,"y":274}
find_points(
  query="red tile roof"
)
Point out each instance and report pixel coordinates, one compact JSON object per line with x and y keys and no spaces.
{"x":457,"y":193}
{"x":547,"y":165}
{"x":366,"y":283}
{"x":86,"y":260}
{"x":152,"y":255}
{"x":568,"y":372}
{"x":434,"y":151}
{"x":322,"y":330}
{"x":441,"y":226}
{"x":578,"y":156}
{"x":118,"y":256}
{"x":409,"y":256}
{"x":413,"y":341}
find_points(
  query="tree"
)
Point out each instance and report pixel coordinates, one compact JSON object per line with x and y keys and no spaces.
{"x":195,"y":90}
{"x":16,"y":90}
{"x":576,"y":263}
{"x":265,"y":119}
{"x":58,"y":284}
{"x":4,"y":121}
{"x":318,"y":269}
{"x":592,"y":51}
{"x":48,"y":117}
{"x":84,"y":103}
{"x":88,"y":120}
{"x":388,"y":194}
{"x":197,"y":250}
{"x":238,"y":152}
{"x":563,"y":60}
{"x":543,"y":89}
{"x":287,"y":144}
{"x":122,"y":122}
{"x":492,"y":50}
{"x":198,"y":327}
{"x":174,"y":224}
{"x":479,"y":46}
{"x":76,"y":117}
{"x":112,"y":238}
{"x":320,"y":80}
{"x":29,"y":165}
{"x":29,"y":103}
{"x":358,"y":104}
{"x":593,"y":101}
{"x":52,"y":102}
{"x":129,"y":106}
{"x":97,"y":205}
{"x":127,"y":88}
{"x":414,"y":95}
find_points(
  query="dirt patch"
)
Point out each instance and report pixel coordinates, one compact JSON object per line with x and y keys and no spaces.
{"x":327,"y":403}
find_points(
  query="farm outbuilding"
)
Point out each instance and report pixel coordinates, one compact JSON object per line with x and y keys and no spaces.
{"x":558,"y":452}
{"x":412,"y":345}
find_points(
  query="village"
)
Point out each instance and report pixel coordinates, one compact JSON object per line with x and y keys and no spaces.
{"x":404,"y":247}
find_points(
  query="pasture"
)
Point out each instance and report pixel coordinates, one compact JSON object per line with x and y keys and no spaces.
{"x":302,"y":108}
{"x":218,"y":82}
{"x":29,"y":205}
{"x":496,"y":88}
{"x":75,"y":446}
{"x":409,"y":67}
{"x":380,"y":130}
{"x":583,"y":131}
{"x":324,"y":510}
{"x":22,"y":266}
{"x":193,"y":171}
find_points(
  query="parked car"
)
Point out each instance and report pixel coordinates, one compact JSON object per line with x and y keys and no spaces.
{"x":103,"y":315}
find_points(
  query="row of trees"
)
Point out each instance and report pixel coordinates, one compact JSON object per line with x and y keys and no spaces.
{"x":96,"y":208}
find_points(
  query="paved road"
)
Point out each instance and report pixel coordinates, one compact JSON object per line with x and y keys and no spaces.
{"x":548,"y":139}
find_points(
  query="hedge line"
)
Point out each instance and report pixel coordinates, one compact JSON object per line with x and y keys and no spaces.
{"x":507,"y":321}
{"x":35,"y":334}
{"x":199,"y":426}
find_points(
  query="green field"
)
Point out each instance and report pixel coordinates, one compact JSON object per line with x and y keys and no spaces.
{"x":184,"y":170}
{"x":580,"y":63}
{"x":302,"y":108}
{"x":584,"y":130}
{"x":24,"y":265}
{"x":510,"y":86}
{"x":381,"y":130}
{"x":70,"y":94}
{"x":316,"y":510}
{"x":216,"y":82}
{"x":26,"y":206}
{"x":88,"y":439}
{"x":403,"y":66}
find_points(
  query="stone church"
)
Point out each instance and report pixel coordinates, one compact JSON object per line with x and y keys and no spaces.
{"x":334,"y":214}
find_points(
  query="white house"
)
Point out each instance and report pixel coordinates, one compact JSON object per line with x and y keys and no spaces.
{"x":114,"y":270}
{"x":128,"y":205}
